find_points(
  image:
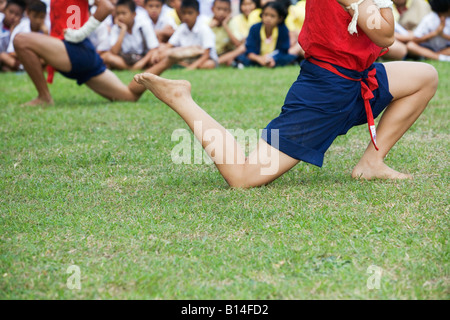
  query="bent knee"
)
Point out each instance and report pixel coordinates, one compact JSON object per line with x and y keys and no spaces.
{"x":20,"y":41}
{"x":430,"y":76}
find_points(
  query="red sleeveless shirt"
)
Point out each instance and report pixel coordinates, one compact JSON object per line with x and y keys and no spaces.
{"x":324,"y":36}
{"x":67,"y":14}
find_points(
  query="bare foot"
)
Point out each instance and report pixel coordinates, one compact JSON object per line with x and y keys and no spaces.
{"x":364,"y":170}
{"x":39,"y":102}
{"x":186,"y":53}
{"x":171,"y":92}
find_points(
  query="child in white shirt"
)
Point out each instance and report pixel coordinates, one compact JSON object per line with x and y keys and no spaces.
{"x":8,"y":21}
{"x":192,"y":45}
{"x":164,"y":25}
{"x":432,"y":35}
{"x":133,"y":40}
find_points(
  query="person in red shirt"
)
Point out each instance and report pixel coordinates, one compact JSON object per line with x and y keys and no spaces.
{"x":68,"y":50}
{"x":339,"y":87}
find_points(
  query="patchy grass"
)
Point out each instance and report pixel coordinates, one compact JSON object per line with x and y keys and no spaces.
{"x":91,"y":183}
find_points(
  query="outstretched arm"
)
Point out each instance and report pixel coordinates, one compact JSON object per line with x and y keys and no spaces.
{"x":104,"y":9}
{"x":377,"y":23}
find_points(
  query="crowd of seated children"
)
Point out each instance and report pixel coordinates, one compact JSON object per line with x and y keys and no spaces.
{"x":12,"y":14}
{"x":158,"y":34}
{"x":34,"y":21}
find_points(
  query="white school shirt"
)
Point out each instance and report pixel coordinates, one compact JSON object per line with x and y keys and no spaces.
{"x":164,"y":20}
{"x":430,"y":23}
{"x":141,"y":13}
{"x":4,"y":35}
{"x":200,"y":35}
{"x":100,"y":37}
{"x":22,"y":27}
{"x":132,"y":43}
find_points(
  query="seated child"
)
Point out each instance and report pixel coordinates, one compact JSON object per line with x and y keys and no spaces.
{"x":268,"y":41}
{"x":432,"y":35}
{"x":133,"y":41}
{"x":294,"y":22}
{"x":407,"y":14}
{"x":164,"y":25}
{"x":240,"y":24}
{"x":192,"y":45}
{"x":35,"y":22}
{"x":11,"y":18}
{"x":227,"y":46}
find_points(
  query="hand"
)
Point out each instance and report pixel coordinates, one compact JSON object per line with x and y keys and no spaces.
{"x":270,"y":61}
{"x":214,"y":23}
{"x":262,"y":60}
{"x":441,"y":27}
{"x":123,"y":27}
{"x":154,"y":56}
{"x":226,"y":21}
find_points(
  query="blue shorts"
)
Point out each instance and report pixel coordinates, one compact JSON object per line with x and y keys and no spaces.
{"x":320,"y":106}
{"x":86,"y":63}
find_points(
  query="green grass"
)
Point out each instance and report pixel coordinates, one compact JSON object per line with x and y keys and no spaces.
{"x":91,"y":183}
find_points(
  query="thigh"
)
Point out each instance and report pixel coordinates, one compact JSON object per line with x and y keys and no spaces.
{"x":50,"y":49}
{"x":110,"y":86}
{"x":406,"y":78}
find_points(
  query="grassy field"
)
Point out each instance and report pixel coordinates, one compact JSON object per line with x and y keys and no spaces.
{"x":92,"y":183}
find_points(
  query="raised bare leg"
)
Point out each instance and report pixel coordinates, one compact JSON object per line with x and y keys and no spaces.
{"x":108,"y":85}
{"x":264,"y":164}
{"x":30,"y":49}
{"x":412,"y":85}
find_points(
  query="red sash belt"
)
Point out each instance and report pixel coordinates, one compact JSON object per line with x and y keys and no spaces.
{"x":366,"y":92}
{"x":50,"y":74}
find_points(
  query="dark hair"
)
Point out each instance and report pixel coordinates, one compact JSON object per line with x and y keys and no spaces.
{"x":129,"y":3}
{"x":227,"y":1}
{"x":190,"y":4}
{"x":256,"y":2}
{"x":19,"y":3}
{"x":162,"y":1}
{"x":37,"y":6}
{"x":278,"y":7}
{"x":440,"y":6}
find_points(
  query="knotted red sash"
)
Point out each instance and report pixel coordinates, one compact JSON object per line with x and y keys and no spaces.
{"x":366,"y":92}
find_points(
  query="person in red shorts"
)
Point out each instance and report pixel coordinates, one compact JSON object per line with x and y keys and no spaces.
{"x":68,"y":51}
{"x":339,"y":87}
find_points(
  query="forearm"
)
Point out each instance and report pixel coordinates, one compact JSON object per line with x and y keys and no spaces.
{"x":255,"y":57}
{"x":404,"y":37}
{"x":426,"y":37}
{"x":233,"y":39}
{"x":197,"y":63}
{"x":115,"y":49}
{"x":104,"y":9}
{"x":377,"y":24}
{"x":445,"y":36}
